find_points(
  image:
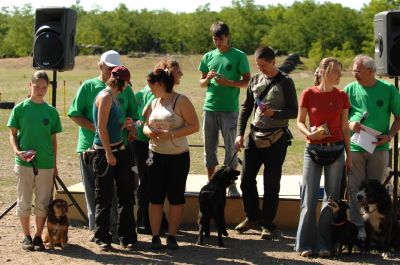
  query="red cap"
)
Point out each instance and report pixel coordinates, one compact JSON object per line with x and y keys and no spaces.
{"x":122,"y":73}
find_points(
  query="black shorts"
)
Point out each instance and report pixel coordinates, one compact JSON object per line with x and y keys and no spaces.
{"x":167,"y":177}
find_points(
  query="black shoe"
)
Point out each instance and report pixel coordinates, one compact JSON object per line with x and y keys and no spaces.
{"x":27,"y":243}
{"x":128,"y":246}
{"x":38,"y":243}
{"x":247,"y":224}
{"x":156,"y":243}
{"x":171,"y":242}
{"x":270,"y":234}
{"x":104,"y":246}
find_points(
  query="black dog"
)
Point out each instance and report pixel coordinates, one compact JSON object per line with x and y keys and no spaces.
{"x":212,"y":199}
{"x":343,"y":232}
{"x":381,"y":224}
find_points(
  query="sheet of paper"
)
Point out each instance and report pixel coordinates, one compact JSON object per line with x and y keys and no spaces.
{"x":366,"y":138}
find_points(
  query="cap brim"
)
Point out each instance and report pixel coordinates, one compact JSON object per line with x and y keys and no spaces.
{"x":111,"y":64}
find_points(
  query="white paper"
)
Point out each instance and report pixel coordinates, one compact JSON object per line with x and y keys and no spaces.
{"x":366,"y":138}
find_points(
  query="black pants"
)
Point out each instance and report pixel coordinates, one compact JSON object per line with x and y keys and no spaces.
{"x":141,"y":151}
{"x":105,"y":176}
{"x":272,"y":158}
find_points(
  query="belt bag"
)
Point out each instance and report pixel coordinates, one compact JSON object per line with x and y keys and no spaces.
{"x":266,"y":139}
{"x":323,"y":155}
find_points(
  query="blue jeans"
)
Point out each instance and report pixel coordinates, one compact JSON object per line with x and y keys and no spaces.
{"x":310,"y":235}
{"x":213,"y":122}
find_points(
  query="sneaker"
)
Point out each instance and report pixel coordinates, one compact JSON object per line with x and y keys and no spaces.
{"x":128,"y":246}
{"x":171,"y":242}
{"x":38,"y":243}
{"x":156,"y":243}
{"x":361,"y":235}
{"x":274,"y":234}
{"x":104,"y":246}
{"x":246,"y":224}
{"x":306,"y":253}
{"x":324,"y":253}
{"x":27,"y":243}
{"x":92,"y":238}
{"x":233,"y":191}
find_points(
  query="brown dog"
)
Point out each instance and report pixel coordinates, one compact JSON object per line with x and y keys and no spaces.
{"x":57,"y":224}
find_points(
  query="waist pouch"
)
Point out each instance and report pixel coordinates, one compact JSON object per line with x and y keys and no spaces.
{"x":264,"y":139}
{"x":324,"y":155}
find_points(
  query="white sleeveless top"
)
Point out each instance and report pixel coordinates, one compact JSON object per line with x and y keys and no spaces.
{"x":164,"y":117}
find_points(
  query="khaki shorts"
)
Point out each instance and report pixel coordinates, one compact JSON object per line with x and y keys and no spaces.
{"x":28,"y":184}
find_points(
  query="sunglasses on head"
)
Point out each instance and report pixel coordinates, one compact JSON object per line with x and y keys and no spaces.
{"x":109,"y":68}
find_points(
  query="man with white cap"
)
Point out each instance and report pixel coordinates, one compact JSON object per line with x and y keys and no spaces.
{"x":81,"y":112}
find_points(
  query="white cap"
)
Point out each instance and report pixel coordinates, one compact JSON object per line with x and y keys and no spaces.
{"x":111,"y":58}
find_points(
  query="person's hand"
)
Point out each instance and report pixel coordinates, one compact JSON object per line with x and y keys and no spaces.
{"x":355,"y":126}
{"x":154,"y":133}
{"x":164,"y":135}
{"x":382,"y":139}
{"x":239,"y":143}
{"x":221,"y":80}
{"x":317,"y":135}
{"x":111,"y":160}
{"x":268,"y":111}
{"x":211,"y":74}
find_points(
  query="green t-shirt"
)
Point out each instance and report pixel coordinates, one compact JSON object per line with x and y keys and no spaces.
{"x":82,"y":106}
{"x":36,"y":123}
{"x":232,"y":64}
{"x":379,"y":101}
{"x":143,"y":98}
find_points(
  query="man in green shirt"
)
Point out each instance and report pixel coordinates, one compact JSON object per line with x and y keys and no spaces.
{"x":379,"y":99}
{"x":81,"y":112}
{"x":224,"y":71}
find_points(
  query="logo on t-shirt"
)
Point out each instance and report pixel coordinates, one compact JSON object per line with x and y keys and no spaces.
{"x":46,"y":121}
{"x":229,"y":67}
{"x":379,"y":102}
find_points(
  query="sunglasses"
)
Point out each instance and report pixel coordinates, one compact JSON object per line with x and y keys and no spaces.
{"x":109,"y":68}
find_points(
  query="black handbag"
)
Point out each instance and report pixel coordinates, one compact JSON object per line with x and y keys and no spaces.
{"x":323,"y":155}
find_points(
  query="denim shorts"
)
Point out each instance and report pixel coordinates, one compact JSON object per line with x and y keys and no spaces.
{"x":213,"y":122}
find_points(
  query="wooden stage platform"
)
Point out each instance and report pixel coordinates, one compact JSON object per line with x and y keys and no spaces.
{"x":287,"y":216}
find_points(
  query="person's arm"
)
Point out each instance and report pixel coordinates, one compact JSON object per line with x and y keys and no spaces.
{"x":245,"y":111}
{"x":289,"y":111}
{"x":14,"y":143}
{"x":104,"y":102}
{"x":54,"y":143}
{"x":386,"y":138}
{"x":205,"y":78}
{"x":346,"y":134}
{"x":221,"y":80}
{"x":83,"y":122}
{"x":301,"y":125}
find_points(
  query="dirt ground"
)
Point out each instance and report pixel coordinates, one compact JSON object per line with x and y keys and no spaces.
{"x":239,"y":249}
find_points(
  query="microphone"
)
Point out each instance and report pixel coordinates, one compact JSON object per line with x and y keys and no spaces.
{"x":364,"y":116}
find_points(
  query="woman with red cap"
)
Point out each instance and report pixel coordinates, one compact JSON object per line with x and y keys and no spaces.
{"x":111,"y":163}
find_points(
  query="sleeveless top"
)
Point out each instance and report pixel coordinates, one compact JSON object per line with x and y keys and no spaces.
{"x":164,"y":117}
{"x":113,"y":124}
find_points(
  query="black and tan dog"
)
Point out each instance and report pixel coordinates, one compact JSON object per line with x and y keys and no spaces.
{"x":57,"y":224}
{"x":343,"y":232}
{"x":381,"y":224}
{"x":212,"y":199}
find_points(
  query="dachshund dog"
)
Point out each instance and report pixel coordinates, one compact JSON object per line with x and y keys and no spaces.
{"x":343,"y":232}
{"x":212,"y":199}
{"x":57,"y":224}
{"x":381,"y":224}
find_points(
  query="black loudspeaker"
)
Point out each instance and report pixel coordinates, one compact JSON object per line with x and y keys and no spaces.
{"x":387,"y":42}
{"x":54,"y":42}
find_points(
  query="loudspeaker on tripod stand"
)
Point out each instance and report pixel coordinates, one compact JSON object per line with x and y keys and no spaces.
{"x":54,"y":41}
{"x":387,"y":42}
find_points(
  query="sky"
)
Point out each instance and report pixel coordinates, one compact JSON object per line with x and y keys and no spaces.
{"x":171,"y":5}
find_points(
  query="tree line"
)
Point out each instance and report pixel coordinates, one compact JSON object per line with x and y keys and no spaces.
{"x":308,"y":28}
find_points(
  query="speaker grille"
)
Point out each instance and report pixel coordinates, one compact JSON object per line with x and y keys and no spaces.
{"x":395,"y":56}
{"x":48,"y":50}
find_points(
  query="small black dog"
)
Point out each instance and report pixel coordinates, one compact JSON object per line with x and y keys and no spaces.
{"x":343,"y":232}
{"x":212,"y":199}
{"x":381,"y":224}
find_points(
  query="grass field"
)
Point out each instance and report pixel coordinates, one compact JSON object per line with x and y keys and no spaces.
{"x":14,"y":79}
